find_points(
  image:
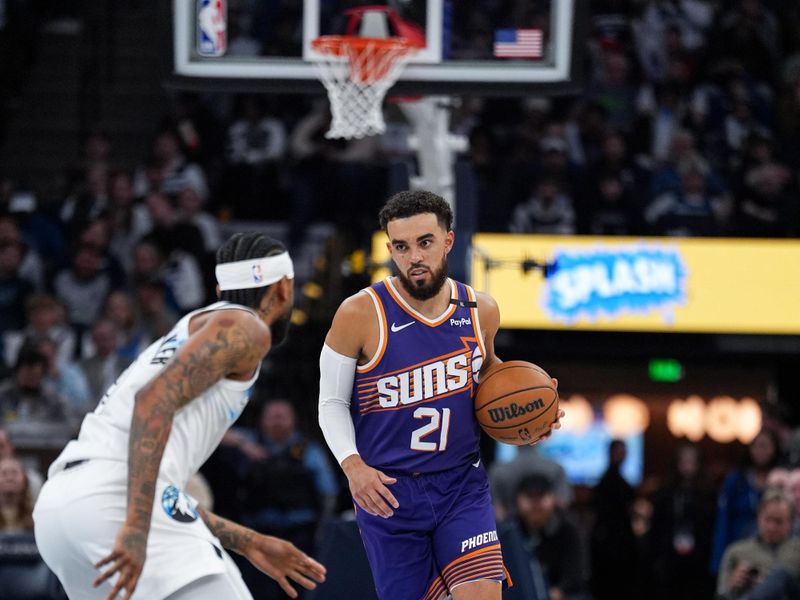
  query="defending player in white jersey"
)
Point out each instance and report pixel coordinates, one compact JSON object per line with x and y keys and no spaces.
{"x":113,"y":517}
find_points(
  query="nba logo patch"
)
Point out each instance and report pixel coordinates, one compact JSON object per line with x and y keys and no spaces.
{"x":257,"y":276}
{"x":212,"y":27}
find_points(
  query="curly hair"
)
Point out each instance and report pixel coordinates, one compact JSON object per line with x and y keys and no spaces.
{"x":407,"y":204}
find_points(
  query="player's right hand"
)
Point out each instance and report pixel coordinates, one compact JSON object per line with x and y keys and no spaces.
{"x":368,"y":487}
{"x":127,"y":559}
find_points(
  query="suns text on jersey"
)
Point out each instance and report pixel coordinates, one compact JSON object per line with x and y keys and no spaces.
{"x":425,"y":382}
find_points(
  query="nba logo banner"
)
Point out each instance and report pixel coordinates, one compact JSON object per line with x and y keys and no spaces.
{"x":212,"y":27}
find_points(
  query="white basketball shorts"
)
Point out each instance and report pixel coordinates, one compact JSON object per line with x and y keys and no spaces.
{"x":80,"y":511}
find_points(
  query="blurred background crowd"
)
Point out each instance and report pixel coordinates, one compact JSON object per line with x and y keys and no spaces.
{"x":688,"y":124}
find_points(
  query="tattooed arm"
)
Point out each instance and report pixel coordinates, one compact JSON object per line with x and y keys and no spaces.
{"x":276,"y":557}
{"x":227,"y":344}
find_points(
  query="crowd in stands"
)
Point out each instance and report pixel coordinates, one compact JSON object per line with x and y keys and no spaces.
{"x":688,"y":125}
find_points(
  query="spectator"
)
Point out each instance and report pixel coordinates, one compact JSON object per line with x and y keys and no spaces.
{"x":740,"y":494}
{"x":288,"y":486}
{"x":767,"y":199}
{"x":255,"y":138}
{"x":16,"y":502}
{"x":35,"y":478}
{"x":24,"y":397}
{"x":547,"y":211}
{"x":88,"y":203}
{"x":14,"y":288}
{"x":170,"y":171}
{"x":748,"y":562}
{"x":778,"y":479}
{"x":83,"y":287}
{"x":680,"y":532}
{"x":190,"y":211}
{"x":691,"y":210}
{"x":614,"y":90}
{"x":97,"y":235}
{"x":550,"y":541}
{"x":129,"y":221}
{"x":611,"y":209}
{"x":31,"y":266}
{"x":179,"y":270}
{"x":613,"y":546}
{"x":793,"y":491}
{"x":23,"y":575}
{"x":65,"y":379}
{"x":105,"y":364}
{"x":45,"y":317}
{"x":505,"y":478}
{"x":154,"y":311}
{"x":133,"y":335}
{"x":39,"y":231}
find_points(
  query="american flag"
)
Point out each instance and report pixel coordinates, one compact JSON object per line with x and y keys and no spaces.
{"x":518,"y":43}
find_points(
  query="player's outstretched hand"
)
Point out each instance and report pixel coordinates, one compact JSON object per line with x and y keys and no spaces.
{"x":283,"y":561}
{"x":127,"y":559}
{"x":368,"y":487}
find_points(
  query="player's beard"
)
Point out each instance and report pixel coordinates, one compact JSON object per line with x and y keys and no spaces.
{"x":280,"y":328}
{"x":423,"y":291}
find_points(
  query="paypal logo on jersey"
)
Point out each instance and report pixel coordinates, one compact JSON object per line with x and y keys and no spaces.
{"x":606,"y":282}
{"x":460,"y":322}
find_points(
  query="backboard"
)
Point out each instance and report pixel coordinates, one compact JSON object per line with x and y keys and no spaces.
{"x":502,"y":47}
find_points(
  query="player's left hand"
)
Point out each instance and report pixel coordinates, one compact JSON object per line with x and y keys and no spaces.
{"x":556,"y":424}
{"x":127,"y":559}
{"x":283,"y":561}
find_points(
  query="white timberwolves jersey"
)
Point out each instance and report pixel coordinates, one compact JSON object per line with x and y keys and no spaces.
{"x":197,"y":428}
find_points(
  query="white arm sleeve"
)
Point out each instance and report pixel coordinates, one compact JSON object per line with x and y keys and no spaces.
{"x":336,"y":374}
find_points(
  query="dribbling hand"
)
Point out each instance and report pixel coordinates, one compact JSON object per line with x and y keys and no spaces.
{"x":368,"y":487}
{"x":283,"y":561}
{"x":127,"y":559}
{"x":556,"y":424}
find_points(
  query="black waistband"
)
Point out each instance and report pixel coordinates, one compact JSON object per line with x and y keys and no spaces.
{"x":74,"y":463}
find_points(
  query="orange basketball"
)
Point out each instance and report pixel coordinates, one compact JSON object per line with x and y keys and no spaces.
{"x":516,"y":402}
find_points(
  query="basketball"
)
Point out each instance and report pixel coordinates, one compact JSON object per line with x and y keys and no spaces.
{"x":516,"y":402}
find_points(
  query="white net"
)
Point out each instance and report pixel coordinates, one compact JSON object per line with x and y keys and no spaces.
{"x":357,"y":72}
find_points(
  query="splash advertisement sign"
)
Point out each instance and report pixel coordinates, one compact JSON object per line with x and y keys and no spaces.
{"x":641,"y":284}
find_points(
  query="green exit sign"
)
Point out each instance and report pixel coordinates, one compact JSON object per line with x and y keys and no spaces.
{"x":666,"y":370}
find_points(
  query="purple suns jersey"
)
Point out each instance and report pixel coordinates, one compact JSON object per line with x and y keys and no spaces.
{"x":412,"y":403}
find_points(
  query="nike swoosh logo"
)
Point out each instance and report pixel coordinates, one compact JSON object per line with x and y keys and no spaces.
{"x":477,"y":464}
{"x":396,"y":328}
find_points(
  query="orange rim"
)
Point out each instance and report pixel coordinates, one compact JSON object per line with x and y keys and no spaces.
{"x":335,"y":45}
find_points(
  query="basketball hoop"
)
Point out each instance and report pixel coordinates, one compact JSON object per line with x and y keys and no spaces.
{"x":357,"y":72}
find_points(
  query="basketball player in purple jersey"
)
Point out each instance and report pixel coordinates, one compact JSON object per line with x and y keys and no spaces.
{"x":398,"y":372}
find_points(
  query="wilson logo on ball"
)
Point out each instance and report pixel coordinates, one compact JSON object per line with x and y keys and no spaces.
{"x":512,"y":411}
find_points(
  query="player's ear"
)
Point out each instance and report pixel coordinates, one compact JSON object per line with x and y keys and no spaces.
{"x":284,"y":289}
{"x":449,"y":240}
{"x":219,"y":293}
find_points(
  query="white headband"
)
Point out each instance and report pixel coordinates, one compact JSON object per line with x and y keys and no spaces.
{"x":254,"y":272}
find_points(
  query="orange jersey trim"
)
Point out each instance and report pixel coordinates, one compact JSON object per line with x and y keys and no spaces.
{"x":476,"y":322}
{"x":383,"y":334}
{"x":419,"y":316}
{"x":484,"y":563}
{"x":366,"y":381}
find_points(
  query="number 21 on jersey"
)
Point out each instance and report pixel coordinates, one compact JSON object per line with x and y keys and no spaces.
{"x":439,"y":421}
